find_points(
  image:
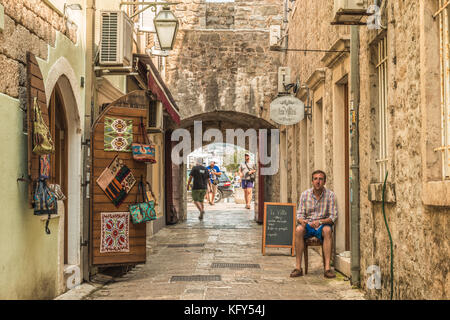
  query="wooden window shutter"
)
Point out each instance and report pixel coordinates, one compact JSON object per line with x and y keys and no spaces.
{"x":35,"y":88}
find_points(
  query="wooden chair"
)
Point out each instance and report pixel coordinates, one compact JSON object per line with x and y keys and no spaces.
{"x":314,"y":242}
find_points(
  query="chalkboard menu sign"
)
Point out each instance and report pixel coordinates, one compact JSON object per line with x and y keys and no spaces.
{"x":279,"y":226}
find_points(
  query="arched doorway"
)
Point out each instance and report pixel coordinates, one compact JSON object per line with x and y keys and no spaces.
{"x":221,"y":121}
{"x":59,"y":160}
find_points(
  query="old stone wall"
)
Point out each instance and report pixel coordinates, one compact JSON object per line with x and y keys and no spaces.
{"x":221,"y":59}
{"x":419,"y":232}
{"x":29,"y":262}
{"x":310,"y":29}
{"x":421,"y":242}
{"x":222,"y":62}
{"x":30,"y":25}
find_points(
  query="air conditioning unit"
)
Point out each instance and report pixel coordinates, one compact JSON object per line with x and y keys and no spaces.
{"x":350,"y":12}
{"x":155,"y":116}
{"x":116,"y":39}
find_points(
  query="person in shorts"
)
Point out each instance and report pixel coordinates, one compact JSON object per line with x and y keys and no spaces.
{"x":201,"y":176}
{"x":214,"y":173}
{"x":246,"y":170}
{"x":316,"y":216}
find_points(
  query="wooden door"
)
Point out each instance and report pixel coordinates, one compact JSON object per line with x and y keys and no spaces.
{"x":59,"y":159}
{"x":131,"y":107}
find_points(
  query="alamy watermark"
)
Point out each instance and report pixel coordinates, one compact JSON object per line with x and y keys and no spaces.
{"x":269,"y":163}
{"x":374,"y":281}
{"x":374,"y":19}
{"x":74,"y":278}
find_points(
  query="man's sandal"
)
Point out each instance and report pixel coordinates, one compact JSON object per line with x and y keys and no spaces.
{"x":296,"y":273}
{"x":329,"y":274}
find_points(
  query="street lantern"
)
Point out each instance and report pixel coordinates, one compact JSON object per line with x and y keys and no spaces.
{"x":166,"y":26}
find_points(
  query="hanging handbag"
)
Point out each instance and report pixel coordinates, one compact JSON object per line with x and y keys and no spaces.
{"x":42,"y":139}
{"x":143,"y":152}
{"x":56,"y":189}
{"x":149,"y":193}
{"x":251,"y":176}
{"x":142,"y":211}
{"x":44,"y":201}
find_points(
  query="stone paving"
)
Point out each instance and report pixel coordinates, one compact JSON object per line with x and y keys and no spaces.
{"x":229,"y":235}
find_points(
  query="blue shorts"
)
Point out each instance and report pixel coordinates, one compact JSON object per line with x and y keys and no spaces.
{"x":311,"y":232}
{"x":247,"y":184}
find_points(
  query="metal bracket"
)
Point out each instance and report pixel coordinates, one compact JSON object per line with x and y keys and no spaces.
{"x":86,"y":142}
{"x":23,"y":179}
{"x":147,"y":5}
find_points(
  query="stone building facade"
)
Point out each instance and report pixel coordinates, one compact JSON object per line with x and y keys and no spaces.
{"x":221,"y":69}
{"x":221,"y":60}
{"x":399,"y":70}
{"x":33,"y":263}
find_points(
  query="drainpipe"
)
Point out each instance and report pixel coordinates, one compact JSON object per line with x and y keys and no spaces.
{"x":89,"y":103}
{"x":285,"y":22}
{"x":355,"y":185}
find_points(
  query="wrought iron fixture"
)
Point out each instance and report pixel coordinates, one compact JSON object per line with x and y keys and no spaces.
{"x":166,"y":24}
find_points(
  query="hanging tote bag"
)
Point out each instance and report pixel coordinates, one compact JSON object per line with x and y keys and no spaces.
{"x":42,"y":139}
{"x":142,"y":211}
{"x":149,"y":193}
{"x":44,"y":201}
{"x":143,"y":152}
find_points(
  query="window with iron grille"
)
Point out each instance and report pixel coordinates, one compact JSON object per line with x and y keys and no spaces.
{"x":444,"y":20}
{"x":382,"y":73}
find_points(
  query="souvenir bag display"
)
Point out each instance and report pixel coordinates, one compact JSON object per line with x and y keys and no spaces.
{"x":116,"y":181}
{"x":42,"y":139}
{"x":45,"y":202}
{"x":149,"y":193}
{"x":143,"y":152}
{"x":56,"y":189}
{"x":142,"y":211}
{"x":118,"y":134}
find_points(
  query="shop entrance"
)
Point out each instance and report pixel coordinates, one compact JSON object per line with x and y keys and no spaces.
{"x":59,"y":160}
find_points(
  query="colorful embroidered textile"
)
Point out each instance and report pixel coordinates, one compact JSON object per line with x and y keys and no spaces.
{"x":115,"y":232}
{"x":116,"y":181}
{"x":118,"y":134}
{"x":44,"y":166}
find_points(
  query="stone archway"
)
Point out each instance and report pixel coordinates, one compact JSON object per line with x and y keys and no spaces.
{"x":240,"y":126}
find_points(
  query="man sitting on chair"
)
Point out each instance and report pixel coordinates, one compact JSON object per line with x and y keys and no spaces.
{"x":315,"y":217}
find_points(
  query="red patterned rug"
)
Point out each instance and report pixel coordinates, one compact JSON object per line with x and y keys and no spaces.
{"x":115,"y":232}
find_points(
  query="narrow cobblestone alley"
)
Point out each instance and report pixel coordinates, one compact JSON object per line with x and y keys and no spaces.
{"x":229,"y":235}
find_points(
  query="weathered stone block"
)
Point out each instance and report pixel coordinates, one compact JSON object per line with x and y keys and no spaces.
{"x":10,"y":76}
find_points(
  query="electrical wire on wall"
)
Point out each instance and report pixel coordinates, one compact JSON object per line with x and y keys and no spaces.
{"x":390,"y":237}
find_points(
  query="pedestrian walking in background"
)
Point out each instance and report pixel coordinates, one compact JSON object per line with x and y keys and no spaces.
{"x":247,"y":171}
{"x":214,"y":173}
{"x":316,"y":215}
{"x":201,"y":177}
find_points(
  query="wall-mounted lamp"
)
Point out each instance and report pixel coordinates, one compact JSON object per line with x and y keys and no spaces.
{"x":166,"y":26}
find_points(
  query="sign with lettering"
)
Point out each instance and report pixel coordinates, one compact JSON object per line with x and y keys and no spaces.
{"x":279,"y":226}
{"x":287,"y":110}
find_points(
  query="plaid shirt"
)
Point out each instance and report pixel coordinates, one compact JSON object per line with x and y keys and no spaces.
{"x":311,"y":209}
